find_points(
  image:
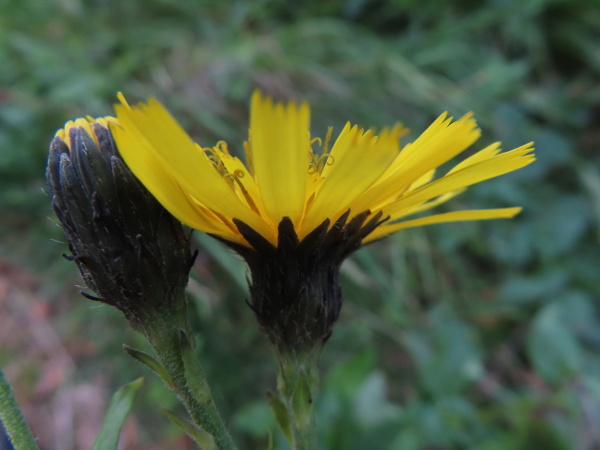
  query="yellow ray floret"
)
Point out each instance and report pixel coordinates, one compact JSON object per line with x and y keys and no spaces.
{"x":285,"y":176}
{"x":85,"y":123}
{"x":280,"y":141}
{"x":455,"y":216}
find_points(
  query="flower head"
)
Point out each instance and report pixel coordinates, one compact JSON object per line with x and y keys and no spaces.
{"x":300,"y":205}
{"x":130,"y":251}
{"x":287,"y":175}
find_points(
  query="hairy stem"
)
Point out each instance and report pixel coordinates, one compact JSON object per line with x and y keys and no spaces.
{"x":297,"y":383}
{"x":12,"y":418}
{"x":190,"y":385}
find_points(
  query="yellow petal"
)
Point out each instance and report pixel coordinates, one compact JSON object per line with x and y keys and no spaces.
{"x":173,"y":147}
{"x":359,"y":158}
{"x":488,"y":152}
{"x":426,"y":205}
{"x":241,"y":181}
{"x":147,"y":168}
{"x":341,"y":146}
{"x":152,"y":129}
{"x":438,"y":144}
{"x":422,"y":180}
{"x":456,"y":216}
{"x":475,"y":173}
{"x":85,"y":123}
{"x":280,"y":145}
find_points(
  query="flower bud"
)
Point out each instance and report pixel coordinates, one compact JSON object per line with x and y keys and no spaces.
{"x":130,"y":251}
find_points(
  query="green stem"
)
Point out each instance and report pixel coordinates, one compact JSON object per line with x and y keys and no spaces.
{"x":194,"y":393}
{"x":297,"y":382}
{"x":12,"y":418}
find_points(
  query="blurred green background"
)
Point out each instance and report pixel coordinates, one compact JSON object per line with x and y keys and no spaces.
{"x":479,"y":335}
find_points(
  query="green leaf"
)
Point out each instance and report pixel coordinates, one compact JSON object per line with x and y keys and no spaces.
{"x":255,"y":419}
{"x":371,"y":404}
{"x":533,"y":288}
{"x":348,"y":376}
{"x":559,"y":229}
{"x":195,"y":377}
{"x":446,"y":352}
{"x":281,"y":415}
{"x":204,"y":439}
{"x":151,"y":363}
{"x":552,"y":346}
{"x":270,"y":441}
{"x":117,"y":412}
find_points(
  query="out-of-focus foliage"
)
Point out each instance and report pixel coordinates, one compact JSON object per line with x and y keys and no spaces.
{"x":479,"y":335}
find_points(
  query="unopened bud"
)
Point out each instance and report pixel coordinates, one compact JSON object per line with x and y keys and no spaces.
{"x":130,"y":251}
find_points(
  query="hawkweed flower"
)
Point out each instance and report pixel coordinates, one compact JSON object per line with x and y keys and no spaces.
{"x":130,"y":251}
{"x":300,"y":205}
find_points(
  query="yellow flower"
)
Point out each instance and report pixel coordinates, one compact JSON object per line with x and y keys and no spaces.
{"x":289,"y":174}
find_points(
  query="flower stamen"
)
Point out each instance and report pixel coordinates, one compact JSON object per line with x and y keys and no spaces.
{"x":215,"y":159}
{"x":222,"y":146}
{"x":234,"y":178}
{"x":316,"y":165}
